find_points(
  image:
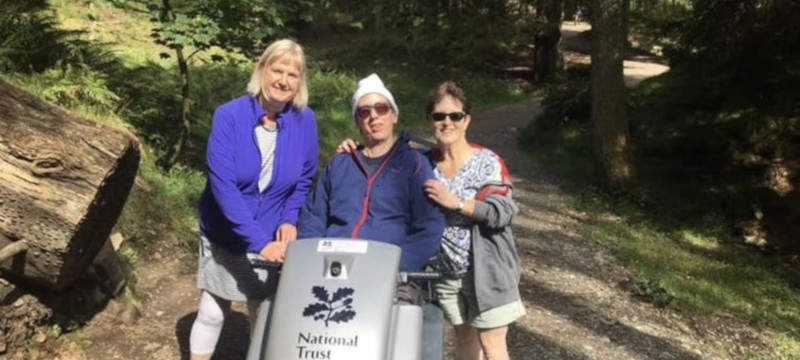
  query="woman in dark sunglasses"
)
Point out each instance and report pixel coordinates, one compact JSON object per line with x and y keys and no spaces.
{"x":480,"y":290}
{"x":478,"y":257}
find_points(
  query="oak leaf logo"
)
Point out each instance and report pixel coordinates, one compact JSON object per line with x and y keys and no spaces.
{"x":337,"y":307}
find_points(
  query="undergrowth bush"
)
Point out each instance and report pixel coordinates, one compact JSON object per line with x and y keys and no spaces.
{"x":76,"y":85}
{"x":565,"y":102}
{"x":162,"y":208}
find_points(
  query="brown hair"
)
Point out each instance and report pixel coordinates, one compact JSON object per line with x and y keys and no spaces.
{"x":448,"y":88}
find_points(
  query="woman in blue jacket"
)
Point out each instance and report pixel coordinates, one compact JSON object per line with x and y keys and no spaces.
{"x":261,"y":155}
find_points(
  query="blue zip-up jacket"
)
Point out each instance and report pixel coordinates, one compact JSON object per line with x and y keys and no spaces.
{"x":233,"y":214}
{"x":388,"y":206}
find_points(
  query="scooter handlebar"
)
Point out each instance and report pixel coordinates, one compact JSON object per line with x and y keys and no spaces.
{"x":263,"y":264}
{"x":403,"y":276}
{"x":406,"y":276}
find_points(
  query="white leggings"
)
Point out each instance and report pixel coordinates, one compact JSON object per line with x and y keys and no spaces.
{"x":208,"y":324}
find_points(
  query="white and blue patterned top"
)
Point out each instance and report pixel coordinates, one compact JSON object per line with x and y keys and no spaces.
{"x":482,"y":167}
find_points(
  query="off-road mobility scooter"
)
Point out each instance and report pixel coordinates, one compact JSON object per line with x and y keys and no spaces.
{"x":336,"y":300}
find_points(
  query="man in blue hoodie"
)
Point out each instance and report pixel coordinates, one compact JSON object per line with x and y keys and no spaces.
{"x":376,"y":193}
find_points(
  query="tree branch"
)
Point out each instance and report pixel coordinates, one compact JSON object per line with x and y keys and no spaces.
{"x":192,"y":54}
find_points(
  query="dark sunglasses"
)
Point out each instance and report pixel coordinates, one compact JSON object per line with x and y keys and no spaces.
{"x":381,"y":109}
{"x":454,"y":116}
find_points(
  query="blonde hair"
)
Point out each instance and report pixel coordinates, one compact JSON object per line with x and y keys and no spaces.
{"x":272,"y":53}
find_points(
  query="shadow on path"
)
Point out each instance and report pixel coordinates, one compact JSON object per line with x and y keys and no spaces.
{"x":581,"y":312}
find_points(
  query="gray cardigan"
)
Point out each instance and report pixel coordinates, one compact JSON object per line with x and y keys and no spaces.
{"x":496,"y":263}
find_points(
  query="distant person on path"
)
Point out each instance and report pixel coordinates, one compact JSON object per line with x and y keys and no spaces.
{"x":578,"y":15}
{"x":376,"y":192}
{"x":261,"y":156}
{"x":479,"y":259}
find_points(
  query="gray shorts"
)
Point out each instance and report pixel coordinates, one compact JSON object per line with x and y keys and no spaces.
{"x":231,"y":276}
{"x":460,"y":305}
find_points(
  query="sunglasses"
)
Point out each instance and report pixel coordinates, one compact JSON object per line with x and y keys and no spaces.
{"x":454,"y":116}
{"x":365,"y":111}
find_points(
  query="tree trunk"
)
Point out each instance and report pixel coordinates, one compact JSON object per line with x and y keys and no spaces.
{"x":63,"y":183}
{"x":547,"y":58}
{"x":186,"y":124}
{"x":626,"y":17}
{"x":609,"y":115}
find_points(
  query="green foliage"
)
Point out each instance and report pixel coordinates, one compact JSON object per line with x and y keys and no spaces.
{"x":467,"y":34}
{"x":651,"y":291}
{"x":749,"y":50}
{"x":131,"y":255}
{"x":680,"y":117}
{"x":657,"y":30}
{"x":151,"y":100}
{"x":72,"y":86}
{"x":249,"y":25}
{"x":162,"y":209}
{"x":330,"y":99}
{"x":194,"y":32}
{"x":237,"y":25}
{"x":26,"y":30}
{"x":30,"y":41}
{"x":568,"y":101}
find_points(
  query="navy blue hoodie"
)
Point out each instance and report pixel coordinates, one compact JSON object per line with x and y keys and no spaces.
{"x":388,"y":206}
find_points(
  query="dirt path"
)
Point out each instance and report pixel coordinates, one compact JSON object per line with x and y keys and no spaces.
{"x":577,"y":308}
{"x":573,"y":290}
{"x":576,"y":46}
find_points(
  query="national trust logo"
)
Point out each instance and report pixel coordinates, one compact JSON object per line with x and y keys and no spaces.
{"x":331,"y":308}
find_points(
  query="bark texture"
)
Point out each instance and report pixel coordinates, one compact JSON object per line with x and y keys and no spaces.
{"x":547,"y":61}
{"x":611,"y":139}
{"x":63,"y":182}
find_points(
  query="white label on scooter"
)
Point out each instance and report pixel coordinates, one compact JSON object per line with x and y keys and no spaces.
{"x":344,"y":246}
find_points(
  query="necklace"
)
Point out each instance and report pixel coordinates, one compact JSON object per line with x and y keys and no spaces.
{"x":268,"y":125}
{"x":270,"y":128}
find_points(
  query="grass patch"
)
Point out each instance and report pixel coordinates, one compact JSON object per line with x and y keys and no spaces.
{"x":162,"y":208}
{"x":126,"y":33}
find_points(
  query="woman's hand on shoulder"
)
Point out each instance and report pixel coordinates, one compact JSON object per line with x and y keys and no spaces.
{"x":286,"y":232}
{"x":275,"y":251}
{"x":439,"y":193}
{"x":347,"y":146}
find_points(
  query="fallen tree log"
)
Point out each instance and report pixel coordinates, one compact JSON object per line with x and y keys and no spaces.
{"x":63,"y":182}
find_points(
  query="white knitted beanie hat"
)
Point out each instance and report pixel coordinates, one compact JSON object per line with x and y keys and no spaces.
{"x":373,"y":85}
